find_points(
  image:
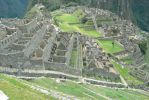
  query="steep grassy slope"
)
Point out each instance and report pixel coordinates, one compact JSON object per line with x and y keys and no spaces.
{"x":16,"y":90}
{"x":88,"y":91}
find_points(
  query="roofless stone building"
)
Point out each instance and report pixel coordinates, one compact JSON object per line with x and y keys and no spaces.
{"x":38,"y":45}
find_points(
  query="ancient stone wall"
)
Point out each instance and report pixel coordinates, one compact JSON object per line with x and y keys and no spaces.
{"x":63,"y":68}
{"x":98,"y":72}
{"x":12,"y":60}
{"x":10,"y":39}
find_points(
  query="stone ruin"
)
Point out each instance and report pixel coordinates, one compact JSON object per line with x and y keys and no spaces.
{"x":38,"y":45}
{"x":96,"y":62}
{"x":120,"y":30}
{"x":125,"y":32}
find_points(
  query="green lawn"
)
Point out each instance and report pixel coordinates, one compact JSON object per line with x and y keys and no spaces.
{"x":127,"y":60}
{"x":70,"y":88}
{"x":89,"y":92}
{"x":90,"y":33}
{"x":118,"y":94}
{"x":125,"y":73}
{"x":108,"y":46}
{"x":16,"y":90}
{"x":67,"y":18}
{"x":66,"y":27}
{"x":65,"y":23}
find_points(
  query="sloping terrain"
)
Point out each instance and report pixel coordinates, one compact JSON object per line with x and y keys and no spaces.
{"x":17,"y":89}
{"x":50,"y":89}
{"x":135,"y":10}
{"x":13,"y":8}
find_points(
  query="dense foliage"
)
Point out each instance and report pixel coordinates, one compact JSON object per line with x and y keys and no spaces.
{"x":143,"y":46}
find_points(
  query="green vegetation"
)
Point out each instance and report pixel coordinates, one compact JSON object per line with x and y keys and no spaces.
{"x":16,"y":90}
{"x":127,"y":60}
{"x":147,"y":56}
{"x":87,"y":91}
{"x":143,"y":46}
{"x":69,"y":87}
{"x":147,"y":52}
{"x":117,"y":94}
{"x":79,"y":13}
{"x":32,"y":13}
{"x":55,"y":4}
{"x":125,"y":73}
{"x":71,"y":23}
{"x":109,"y":47}
{"x":73,"y":58}
{"x":49,"y":4}
{"x":68,"y":18}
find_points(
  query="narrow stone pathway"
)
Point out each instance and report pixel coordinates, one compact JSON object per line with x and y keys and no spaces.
{"x":123,"y":81}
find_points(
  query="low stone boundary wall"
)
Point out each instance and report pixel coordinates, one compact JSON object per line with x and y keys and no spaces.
{"x":109,"y":84}
{"x":63,"y":68}
{"x":54,"y":74}
{"x":36,"y":73}
{"x":100,"y":72}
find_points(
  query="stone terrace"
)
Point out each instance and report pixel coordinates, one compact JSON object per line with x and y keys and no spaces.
{"x":38,"y":45}
{"x":96,"y":62}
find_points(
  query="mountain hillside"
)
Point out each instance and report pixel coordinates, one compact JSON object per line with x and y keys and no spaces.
{"x":13,"y":8}
{"x":134,"y":10}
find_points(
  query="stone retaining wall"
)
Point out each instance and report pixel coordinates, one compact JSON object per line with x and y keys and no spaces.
{"x":62,"y":67}
{"x":100,"y":73}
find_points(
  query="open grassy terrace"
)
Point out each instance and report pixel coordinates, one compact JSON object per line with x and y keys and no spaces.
{"x":109,"y":47}
{"x":71,"y":23}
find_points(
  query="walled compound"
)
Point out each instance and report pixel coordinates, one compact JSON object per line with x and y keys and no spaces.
{"x":37,"y":45}
{"x":126,"y":33}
